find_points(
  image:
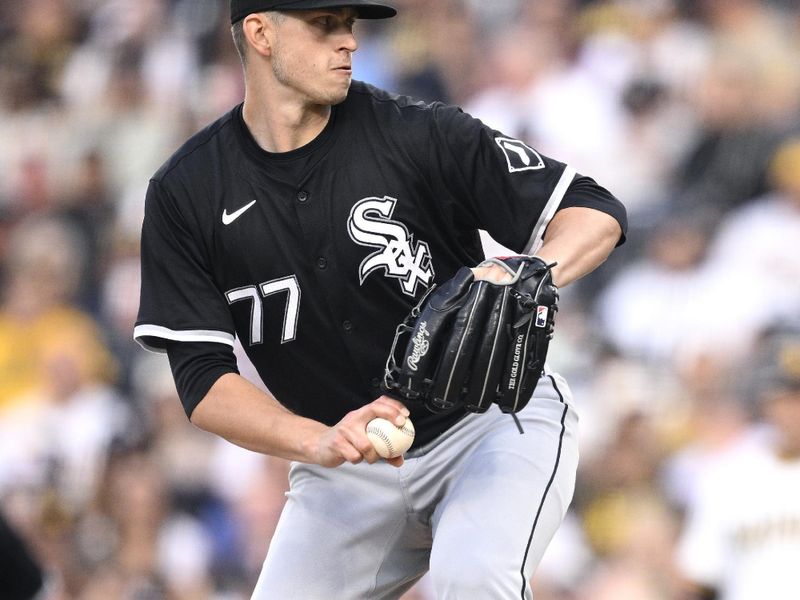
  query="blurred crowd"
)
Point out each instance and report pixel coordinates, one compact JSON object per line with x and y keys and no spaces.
{"x":689,"y":111}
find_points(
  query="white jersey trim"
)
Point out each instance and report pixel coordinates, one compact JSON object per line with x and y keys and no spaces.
{"x":537,"y":237}
{"x":141,"y":332}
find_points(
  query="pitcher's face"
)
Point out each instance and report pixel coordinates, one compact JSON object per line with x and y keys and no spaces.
{"x":312,"y":53}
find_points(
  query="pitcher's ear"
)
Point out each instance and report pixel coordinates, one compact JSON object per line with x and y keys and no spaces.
{"x":259,"y":31}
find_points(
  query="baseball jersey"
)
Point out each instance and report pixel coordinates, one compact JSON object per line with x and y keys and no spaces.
{"x":742,"y":536}
{"x":312,"y":257}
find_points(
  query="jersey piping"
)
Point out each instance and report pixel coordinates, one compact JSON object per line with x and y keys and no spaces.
{"x":547,"y":488}
{"x":537,"y":236}
{"x":142,"y":332}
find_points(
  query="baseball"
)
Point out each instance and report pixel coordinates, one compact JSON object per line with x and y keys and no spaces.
{"x":388,"y":439}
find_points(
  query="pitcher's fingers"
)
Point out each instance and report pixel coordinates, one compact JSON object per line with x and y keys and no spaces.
{"x":360,"y":442}
{"x":391,"y":410}
{"x":338,"y":443}
{"x":492,"y":273}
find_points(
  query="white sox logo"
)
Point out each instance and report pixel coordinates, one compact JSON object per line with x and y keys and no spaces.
{"x":370,"y":224}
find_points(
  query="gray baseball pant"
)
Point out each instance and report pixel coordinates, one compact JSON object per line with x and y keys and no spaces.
{"x":477,"y":507}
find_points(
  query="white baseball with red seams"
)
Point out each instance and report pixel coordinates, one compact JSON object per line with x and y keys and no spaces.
{"x":388,"y":439}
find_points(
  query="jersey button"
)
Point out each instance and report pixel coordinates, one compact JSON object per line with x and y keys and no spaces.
{"x":302,"y":196}
{"x":347,"y":326}
{"x":375,"y":382}
{"x":322,"y":262}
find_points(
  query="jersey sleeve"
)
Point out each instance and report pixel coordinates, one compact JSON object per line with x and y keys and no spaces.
{"x":585,"y":192}
{"x":500,"y":184}
{"x":179,"y":300}
{"x":196,"y":366}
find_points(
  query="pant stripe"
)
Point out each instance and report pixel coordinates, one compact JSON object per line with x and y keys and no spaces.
{"x":547,"y":488}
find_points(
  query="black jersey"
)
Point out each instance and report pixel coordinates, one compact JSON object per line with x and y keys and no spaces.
{"x":312,"y":257}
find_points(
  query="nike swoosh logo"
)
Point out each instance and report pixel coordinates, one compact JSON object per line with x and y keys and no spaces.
{"x":227,"y":219}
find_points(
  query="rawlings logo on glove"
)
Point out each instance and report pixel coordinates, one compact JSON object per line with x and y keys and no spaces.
{"x":474,"y":342}
{"x":420,"y":346}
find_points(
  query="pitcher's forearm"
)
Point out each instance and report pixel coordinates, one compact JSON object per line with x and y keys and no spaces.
{"x":579,"y":240}
{"x":246,"y":416}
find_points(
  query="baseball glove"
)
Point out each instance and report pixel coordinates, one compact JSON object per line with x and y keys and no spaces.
{"x":473,"y":342}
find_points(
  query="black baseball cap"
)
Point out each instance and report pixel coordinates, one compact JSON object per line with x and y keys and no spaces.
{"x":366,"y":10}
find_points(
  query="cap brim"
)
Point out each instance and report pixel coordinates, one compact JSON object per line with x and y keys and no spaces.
{"x":366,"y":9}
{"x":376,"y":11}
